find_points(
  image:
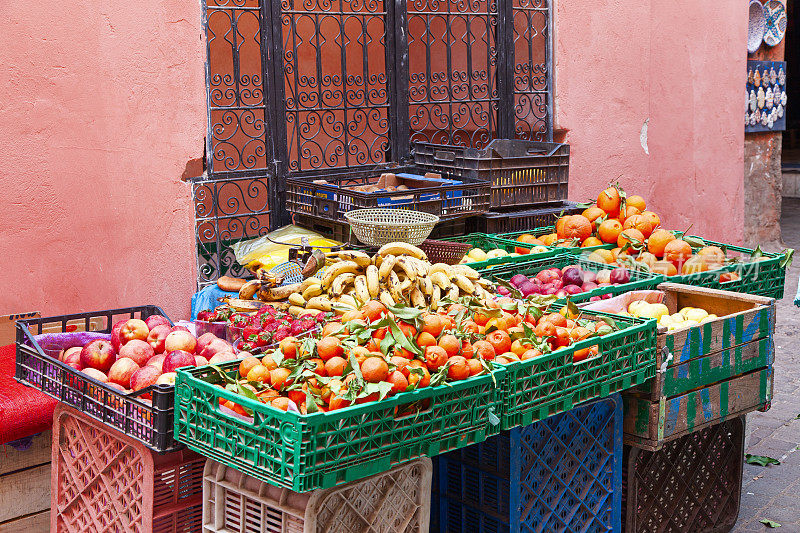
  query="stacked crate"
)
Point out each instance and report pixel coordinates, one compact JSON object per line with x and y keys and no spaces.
{"x":529,"y":180}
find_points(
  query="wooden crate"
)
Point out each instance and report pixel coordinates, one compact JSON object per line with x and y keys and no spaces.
{"x":648,"y":425}
{"x":25,"y":486}
{"x":705,"y":374}
{"x":739,"y":341}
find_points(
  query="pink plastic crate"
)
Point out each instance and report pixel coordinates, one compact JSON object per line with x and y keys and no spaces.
{"x":103,"y":480}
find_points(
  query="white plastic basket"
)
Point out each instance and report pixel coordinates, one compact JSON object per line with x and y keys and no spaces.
{"x":397,"y":501}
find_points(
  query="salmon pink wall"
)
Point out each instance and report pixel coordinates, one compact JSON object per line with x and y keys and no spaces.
{"x":103,"y":104}
{"x":677,"y":65}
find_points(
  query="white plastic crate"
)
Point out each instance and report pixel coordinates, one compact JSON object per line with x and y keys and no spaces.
{"x":396,"y":501}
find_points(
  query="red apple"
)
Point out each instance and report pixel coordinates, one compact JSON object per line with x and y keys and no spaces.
{"x":96,"y":374}
{"x":116,"y":386}
{"x":176,"y":359}
{"x":157,"y":361}
{"x":166,"y":379}
{"x":181,"y":328}
{"x":157,"y":337}
{"x":156,"y":320}
{"x":115,"y":340}
{"x":73,"y":358}
{"x":144,"y":377}
{"x":69,"y":353}
{"x":222,"y":357}
{"x":137,"y":350}
{"x":216,"y":346}
{"x":122,"y":370}
{"x":204,"y":340}
{"x":133,"y":329}
{"x":199,"y":360}
{"x":98,"y":354}
{"x":180,"y":340}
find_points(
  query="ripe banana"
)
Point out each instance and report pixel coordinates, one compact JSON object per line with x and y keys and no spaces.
{"x":337,"y":269}
{"x":362,"y":259}
{"x":425,"y":285}
{"x":435,"y":297}
{"x":485,"y":283}
{"x":439,"y":267}
{"x":276,"y":294}
{"x":453,"y":293}
{"x":386,"y":298}
{"x":341,"y":281}
{"x":420,"y":265}
{"x":311,"y":291}
{"x":405,"y":285}
{"x":348,"y":301}
{"x":440,"y":279}
{"x":464,"y":283}
{"x":295,"y":310}
{"x":416,"y":298}
{"x":249,"y":289}
{"x":386,"y":267}
{"x":402,"y":248}
{"x":394,"y":286}
{"x":407,"y":267}
{"x":297,"y":299}
{"x":362,"y":292}
{"x":322,"y":303}
{"x":468,"y":271}
{"x":373,"y":284}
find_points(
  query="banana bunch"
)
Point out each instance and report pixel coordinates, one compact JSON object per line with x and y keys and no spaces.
{"x":398,"y":273}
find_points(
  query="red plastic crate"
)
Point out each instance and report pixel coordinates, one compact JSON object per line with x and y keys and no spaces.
{"x":103,"y":480}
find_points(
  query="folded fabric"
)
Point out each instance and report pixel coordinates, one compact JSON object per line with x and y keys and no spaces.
{"x":206,"y":298}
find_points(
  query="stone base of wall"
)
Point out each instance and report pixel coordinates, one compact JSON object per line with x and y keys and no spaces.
{"x":763,"y":186}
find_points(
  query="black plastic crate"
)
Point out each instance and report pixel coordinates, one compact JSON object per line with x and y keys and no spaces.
{"x":340,"y":231}
{"x":521,"y":221}
{"x":148,"y":421}
{"x":522,"y":173}
{"x":693,"y":483}
{"x":328,"y":196}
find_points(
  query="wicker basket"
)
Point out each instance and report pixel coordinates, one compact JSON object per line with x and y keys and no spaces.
{"x":376,"y":227}
{"x":449,"y":253}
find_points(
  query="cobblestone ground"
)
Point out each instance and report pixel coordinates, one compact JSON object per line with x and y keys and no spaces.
{"x":774,"y":492}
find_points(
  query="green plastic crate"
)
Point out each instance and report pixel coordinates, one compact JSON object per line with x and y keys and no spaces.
{"x":763,"y":278}
{"x":551,"y":384}
{"x":321,"y":450}
{"x":639,"y":279}
{"x":538,"y":232}
{"x":490,"y":242}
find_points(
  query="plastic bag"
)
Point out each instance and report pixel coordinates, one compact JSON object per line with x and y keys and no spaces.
{"x":262,"y":252}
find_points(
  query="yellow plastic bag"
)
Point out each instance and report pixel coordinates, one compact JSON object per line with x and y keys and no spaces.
{"x":262,"y":252}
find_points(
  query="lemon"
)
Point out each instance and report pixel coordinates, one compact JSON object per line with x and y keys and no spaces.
{"x":491,"y":254}
{"x":476,"y":254}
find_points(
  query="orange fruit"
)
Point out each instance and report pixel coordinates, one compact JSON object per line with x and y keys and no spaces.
{"x":328,"y":347}
{"x":373,"y":310}
{"x":400,"y":363}
{"x":531,"y":354}
{"x":557,"y":319}
{"x":636,"y":201}
{"x":319,"y":367}
{"x":289,"y":347}
{"x":694,"y":265}
{"x":658,"y":240}
{"x":629,"y":235}
{"x":475,"y":367}
{"x":331,"y":328}
{"x":247,"y":364}
{"x":278,"y":377}
{"x":576,"y":227}
{"x":335,"y":366}
{"x":527,"y":238}
{"x":640,"y":223}
{"x":653,"y":218}
{"x":664,"y":267}
{"x":433,"y":324}
{"x":458,"y":369}
{"x":258,"y":373}
{"x":728,"y":277}
{"x":560,"y":225}
{"x":677,"y":251}
{"x":609,"y":230}
{"x":374,"y":369}
{"x":712,"y":255}
{"x":450,"y":344}
{"x":398,"y":380}
{"x":647,"y":258}
{"x":484,"y":350}
{"x":499,"y":340}
{"x":414,"y":378}
{"x":615,"y":252}
{"x":281,"y":402}
{"x":609,"y":201}
{"x":520,"y":346}
{"x":549,"y":239}
{"x":592,"y":214}
{"x":626,"y":213}
{"x":338,"y":403}
{"x":601,"y":256}
{"x":353,"y":314}
{"x":269,"y":362}
{"x":591,"y":241}
{"x":435,"y":357}
{"x":425,"y":339}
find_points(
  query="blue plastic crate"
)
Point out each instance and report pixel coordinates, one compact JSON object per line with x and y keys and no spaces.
{"x":561,"y":474}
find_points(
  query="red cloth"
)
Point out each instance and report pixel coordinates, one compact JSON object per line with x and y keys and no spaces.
{"x":24,"y":410}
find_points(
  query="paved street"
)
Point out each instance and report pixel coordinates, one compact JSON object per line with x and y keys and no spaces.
{"x":774,"y":492}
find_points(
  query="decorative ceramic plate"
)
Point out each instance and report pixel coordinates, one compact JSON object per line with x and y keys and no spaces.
{"x":775,"y":15}
{"x":756,"y":26}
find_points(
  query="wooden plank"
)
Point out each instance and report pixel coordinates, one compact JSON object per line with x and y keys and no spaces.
{"x":8,"y":326}
{"x":649,"y":424}
{"x":24,"y":492}
{"x":33,"y":523}
{"x":37,"y":454}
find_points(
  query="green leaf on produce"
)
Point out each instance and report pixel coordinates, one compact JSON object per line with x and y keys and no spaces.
{"x":758,"y":252}
{"x":513,"y":291}
{"x":760,"y":460}
{"x":383,"y":389}
{"x":440,"y":376}
{"x":786,"y":260}
{"x":225,"y":377}
{"x":387,"y":343}
{"x":510,"y":306}
{"x":418,"y":372}
{"x":585,"y":205}
{"x":610,"y":321}
{"x":247,"y":393}
{"x":308,"y":348}
{"x":311,"y":403}
{"x":277,"y":356}
{"x":401,"y":339}
{"x":769,"y":523}
{"x":694,"y":242}
{"x":405,"y":313}
{"x":572,"y":309}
